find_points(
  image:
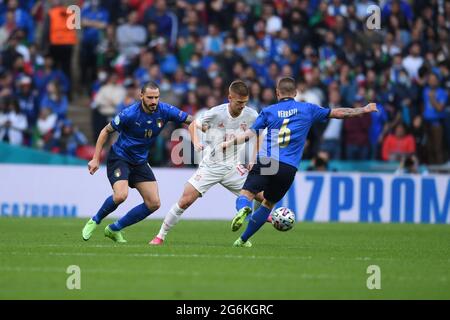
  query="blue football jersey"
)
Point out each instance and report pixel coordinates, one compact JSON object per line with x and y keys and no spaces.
{"x":288,"y":123}
{"x":138,"y":129}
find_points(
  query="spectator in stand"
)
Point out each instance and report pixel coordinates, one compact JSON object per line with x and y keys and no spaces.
{"x":435,"y":99}
{"x":56,"y":100}
{"x":399,"y":144}
{"x":191,"y":104}
{"x":331,"y":142}
{"x":22,"y":19}
{"x":356,"y":135}
{"x":213,"y":41}
{"x":410,"y":165}
{"x":413,"y":61}
{"x":166,"y":20}
{"x":94,"y":20}
{"x":13,"y":123}
{"x":28,"y":100}
{"x":108,"y":48}
{"x":7,"y":28}
{"x":60,"y":39}
{"x":131,"y":95}
{"x":42,"y":78}
{"x":131,"y":37}
{"x":146,"y":60}
{"x":67,"y":139}
{"x":320,"y":162}
{"x":105,"y":102}
{"x":45,"y":128}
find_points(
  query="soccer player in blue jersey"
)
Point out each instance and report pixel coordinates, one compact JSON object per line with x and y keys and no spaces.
{"x":138,"y":126}
{"x":287,"y":123}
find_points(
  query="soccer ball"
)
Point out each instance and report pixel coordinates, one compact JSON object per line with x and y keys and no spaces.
{"x":283,"y":219}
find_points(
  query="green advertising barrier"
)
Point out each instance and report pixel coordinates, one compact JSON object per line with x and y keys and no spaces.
{"x":20,"y":154}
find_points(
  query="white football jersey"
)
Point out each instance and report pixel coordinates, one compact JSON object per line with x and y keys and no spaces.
{"x":221,"y":127}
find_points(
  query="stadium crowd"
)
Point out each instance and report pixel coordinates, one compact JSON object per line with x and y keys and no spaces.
{"x":193,"y":49}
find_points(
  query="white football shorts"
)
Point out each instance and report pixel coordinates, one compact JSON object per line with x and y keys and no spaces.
{"x":207,"y":176}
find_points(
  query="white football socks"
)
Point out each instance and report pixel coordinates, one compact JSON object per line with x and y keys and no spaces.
{"x":170,"y":220}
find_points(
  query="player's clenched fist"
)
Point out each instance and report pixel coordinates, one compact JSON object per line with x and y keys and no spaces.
{"x":93,"y":166}
{"x":372,"y":107}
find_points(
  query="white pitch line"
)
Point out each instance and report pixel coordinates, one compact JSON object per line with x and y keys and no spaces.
{"x":113,"y":245}
{"x":265,"y":275}
{"x":259,"y":275}
{"x":156,"y":255}
{"x":194,"y":256}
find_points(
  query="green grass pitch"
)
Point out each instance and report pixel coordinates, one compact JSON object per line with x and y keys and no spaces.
{"x":312,"y":261}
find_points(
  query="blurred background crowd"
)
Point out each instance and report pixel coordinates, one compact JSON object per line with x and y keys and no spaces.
{"x":193,"y":49}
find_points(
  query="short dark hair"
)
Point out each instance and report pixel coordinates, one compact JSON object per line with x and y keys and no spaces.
{"x":149,"y":85}
{"x":240,"y":88}
{"x":286,"y":86}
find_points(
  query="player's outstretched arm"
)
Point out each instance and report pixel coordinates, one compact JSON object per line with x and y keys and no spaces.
{"x":94,"y":164}
{"x":342,"y":113}
{"x":239,"y":139}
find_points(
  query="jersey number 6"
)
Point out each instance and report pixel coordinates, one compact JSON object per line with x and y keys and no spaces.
{"x":284,"y":136}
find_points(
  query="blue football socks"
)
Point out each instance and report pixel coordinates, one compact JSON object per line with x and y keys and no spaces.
{"x":256,"y":221}
{"x":133,"y":216}
{"x":107,"y":207}
{"x":242,"y":202}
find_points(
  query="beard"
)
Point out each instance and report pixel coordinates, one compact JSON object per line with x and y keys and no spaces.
{"x":149,"y":107}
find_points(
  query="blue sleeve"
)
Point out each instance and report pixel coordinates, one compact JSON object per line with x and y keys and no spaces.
{"x":319,"y":113}
{"x":84,"y":13}
{"x":441,"y":96}
{"x":175,"y":114}
{"x":64,"y":80}
{"x":30,"y":28}
{"x":119,"y":122}
{"x":44,"y":102}
{"x":383,"y":114}
{"x":64,"y":106}
{"x":105,"y":17}
{"x":260,"y":122}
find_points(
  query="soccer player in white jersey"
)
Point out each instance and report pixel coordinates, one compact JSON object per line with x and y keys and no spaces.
{"x":220,"y":123}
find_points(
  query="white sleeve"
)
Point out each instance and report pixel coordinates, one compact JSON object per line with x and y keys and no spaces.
{"x":46,"y":125}
{"x":3,"y":119}
{"x":207,"y":118}
{"x":254,"y":115}
{"x":19,"y":122}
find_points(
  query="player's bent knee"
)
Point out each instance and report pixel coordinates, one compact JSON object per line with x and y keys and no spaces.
{"x":153,"y":205}
{"x":248,"y":194}
{"x":120,"y":197}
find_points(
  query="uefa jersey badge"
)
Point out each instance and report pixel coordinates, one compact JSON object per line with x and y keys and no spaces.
{"x":117,"y":120}
{"x":117,"y":173}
